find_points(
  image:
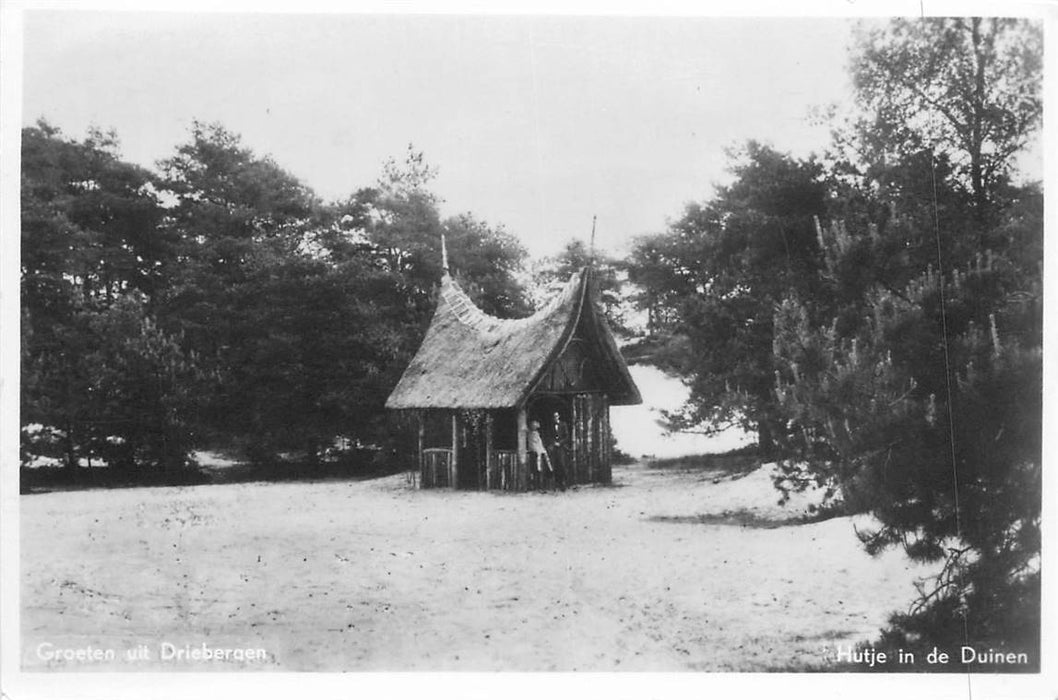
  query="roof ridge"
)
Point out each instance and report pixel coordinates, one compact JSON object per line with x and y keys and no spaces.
{"x":468,"y":313}
{"x":469,"y":359}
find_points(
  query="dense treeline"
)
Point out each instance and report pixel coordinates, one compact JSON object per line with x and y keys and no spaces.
{"x":219,"y":301}
{"x":875,"y":316}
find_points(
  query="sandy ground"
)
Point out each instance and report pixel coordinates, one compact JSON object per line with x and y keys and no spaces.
{"x":658,"y":572}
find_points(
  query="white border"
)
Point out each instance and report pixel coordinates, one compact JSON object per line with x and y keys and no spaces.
{"x":18,"y":685}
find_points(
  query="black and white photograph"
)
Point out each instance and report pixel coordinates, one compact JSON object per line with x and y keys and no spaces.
{"x":501,"y":352}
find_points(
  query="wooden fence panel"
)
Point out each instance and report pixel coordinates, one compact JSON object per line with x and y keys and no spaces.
{"x":504,"y":464}
{"x":436,"y":468}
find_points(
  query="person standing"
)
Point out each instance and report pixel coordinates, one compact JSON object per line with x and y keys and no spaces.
{"x":562,"y":449}
{"x":534,"y":445}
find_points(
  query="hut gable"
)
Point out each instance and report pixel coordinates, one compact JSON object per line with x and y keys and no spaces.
{"x":469,"y":359}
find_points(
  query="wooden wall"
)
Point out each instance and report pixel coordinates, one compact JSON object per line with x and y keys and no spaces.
{"x":591,"y":440}
{"x":476,"y":464}
{"x":436,"y":468}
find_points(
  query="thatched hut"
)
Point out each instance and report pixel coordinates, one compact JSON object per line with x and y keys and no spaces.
{"x":478,"y":382}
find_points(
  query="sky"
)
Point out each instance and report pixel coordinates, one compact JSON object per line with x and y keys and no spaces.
{"x":533,"y":122}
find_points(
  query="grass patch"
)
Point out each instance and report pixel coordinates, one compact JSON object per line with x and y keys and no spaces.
{"x":355,"y":467}
{"x":301,"y":471}
{"x":741,"y":461}
{"x":740,"y":518}
{"x":47,"y":479}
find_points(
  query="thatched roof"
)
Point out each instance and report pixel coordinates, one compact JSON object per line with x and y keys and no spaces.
{"x":469,"y":359}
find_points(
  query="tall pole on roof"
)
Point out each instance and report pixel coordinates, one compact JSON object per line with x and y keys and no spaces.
{"x":444,"y":255}
{"x":591,"y":248}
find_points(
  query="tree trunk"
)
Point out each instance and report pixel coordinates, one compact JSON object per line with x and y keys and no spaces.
{"x":71,"y":457}
{"x":978,"y":108}
{"x":312,"y":452}
{"x":765,"y":439}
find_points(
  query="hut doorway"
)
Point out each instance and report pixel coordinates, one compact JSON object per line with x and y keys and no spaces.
{"x":553,"y":412}
{"x":472,"y":450}
{"x":586,"y":457}
{"x":543,"y":407}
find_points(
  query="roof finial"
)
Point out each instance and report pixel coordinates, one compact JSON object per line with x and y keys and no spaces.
{"x":444,"y":255}
{"x":591,"y":248}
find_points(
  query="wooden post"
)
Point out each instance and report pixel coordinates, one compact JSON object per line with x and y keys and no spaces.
{"x":589,"y":447}
{"x":453,"y":475}
{"x":574,"y":441}
{"x":578,"y":437}
{"x":607,"y":469}
{"x":593,"y":446}
{"x":488,"y":450}
{"x":597,"y":438}
{"x":523,"y":431}
{"x":422,"y":443}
